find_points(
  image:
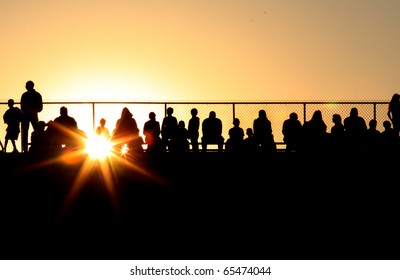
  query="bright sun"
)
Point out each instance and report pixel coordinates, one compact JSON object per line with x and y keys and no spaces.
{"x":98,"y":147}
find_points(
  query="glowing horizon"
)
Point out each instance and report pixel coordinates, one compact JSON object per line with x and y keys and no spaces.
{"x":200,"y":50}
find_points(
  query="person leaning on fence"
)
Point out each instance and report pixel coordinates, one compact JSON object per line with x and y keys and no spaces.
{"x":31,"y":105}
{"x":212,"y":132}
{"x":12,"y":117}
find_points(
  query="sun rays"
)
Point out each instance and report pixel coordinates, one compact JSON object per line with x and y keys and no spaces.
{"x":99,"y":165}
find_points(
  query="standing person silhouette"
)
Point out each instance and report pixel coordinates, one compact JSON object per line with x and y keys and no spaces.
{"x":394,"y":112}
{"x":31,"y":105}
{"x":193,"y":130}
{"x":12,"y":117}
{"x":168,"y":128}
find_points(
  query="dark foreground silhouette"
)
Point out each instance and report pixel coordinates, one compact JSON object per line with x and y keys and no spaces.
{"x":200,"y":206}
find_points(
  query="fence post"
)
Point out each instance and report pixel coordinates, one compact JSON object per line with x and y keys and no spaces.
{"x":93,"y":116}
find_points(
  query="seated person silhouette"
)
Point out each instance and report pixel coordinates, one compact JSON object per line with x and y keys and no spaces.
{"x":212,"y":132}
{"x":151,"y":131}
{"x":39,"y":139}
{"x":180,"y":143}
{"x":236,"y":134}
{"x":292,"y":132}
{"x":355,"y":129}
{"x":372,"y":137}
{"x":337,"y":135}
{"x":249,"y":144}
{"x":126,"y":132}
{"x":102,"y":130}
{"x":262,"y":130}
{"x":389,"y":139}
{"x":66,"y":129}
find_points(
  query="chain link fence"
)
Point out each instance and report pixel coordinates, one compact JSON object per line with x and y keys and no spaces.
{"x":88,"y":114}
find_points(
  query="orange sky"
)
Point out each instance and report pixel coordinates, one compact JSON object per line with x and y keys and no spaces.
{"x":208,"y":50}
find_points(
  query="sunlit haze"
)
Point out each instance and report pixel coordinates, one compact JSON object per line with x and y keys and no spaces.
{"x":200,"y":50}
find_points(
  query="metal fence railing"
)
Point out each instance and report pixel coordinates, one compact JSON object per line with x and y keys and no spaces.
{"x":88,"y":114}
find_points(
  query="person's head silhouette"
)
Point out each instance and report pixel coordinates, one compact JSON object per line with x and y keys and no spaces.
{"x":126,"y":113}
{"x":372,"y":124}
{"x":354,"y":112}
{"x":262,"y":114}
{"x":170,"y":111}
{"x":387,"y":125}
{"x":63,"y":111}
{"x":10,"y":103}
{"x":336,"y":118}
{"x":29,"y":85}
{"x":249,"y":132}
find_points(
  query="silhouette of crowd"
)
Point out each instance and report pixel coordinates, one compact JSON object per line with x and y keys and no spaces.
{"x":349,"y":134}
